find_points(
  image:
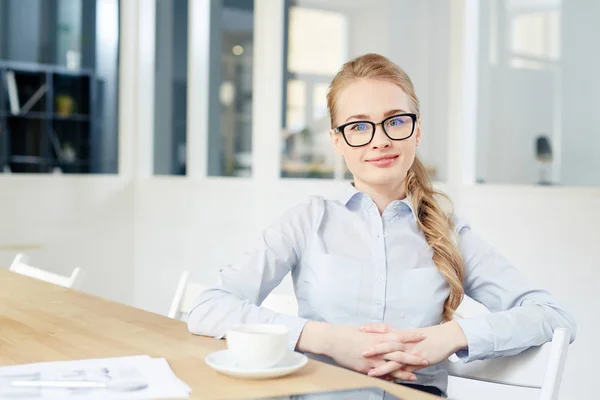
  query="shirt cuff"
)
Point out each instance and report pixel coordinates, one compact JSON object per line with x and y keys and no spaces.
{"x":480,"y":339}
{"x":295,"y":326}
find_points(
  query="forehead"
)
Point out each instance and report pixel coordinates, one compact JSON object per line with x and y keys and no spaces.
{"x":370,"y":97}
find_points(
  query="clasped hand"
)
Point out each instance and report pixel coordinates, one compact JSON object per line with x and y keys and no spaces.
{"x":395,"y":354}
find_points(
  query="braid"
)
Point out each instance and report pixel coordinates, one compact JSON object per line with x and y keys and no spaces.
{"x":437,"y":228}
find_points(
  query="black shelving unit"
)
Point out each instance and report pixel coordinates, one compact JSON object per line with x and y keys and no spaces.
{"x":57,"y":130}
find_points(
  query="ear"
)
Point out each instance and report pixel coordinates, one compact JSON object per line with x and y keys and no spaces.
{"x":418,"y":132}
{"x":336,"y":141}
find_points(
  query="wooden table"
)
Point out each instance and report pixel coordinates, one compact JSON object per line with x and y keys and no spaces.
{"x":43,"y":322}
{"x":20,"y":247}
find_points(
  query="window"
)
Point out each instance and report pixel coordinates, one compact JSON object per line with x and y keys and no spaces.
{"x":535,"y":39}
{"x":59,"y":86}
{"x":170,"y":100}
{"x":316,"y":49}
{"x":230,"y":94}
{"x":537,"y":122}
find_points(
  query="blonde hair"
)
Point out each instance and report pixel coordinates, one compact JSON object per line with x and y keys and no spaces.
{"x":435,"y":223}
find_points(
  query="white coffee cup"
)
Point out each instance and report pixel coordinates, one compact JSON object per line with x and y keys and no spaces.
{"x":258,"y":345}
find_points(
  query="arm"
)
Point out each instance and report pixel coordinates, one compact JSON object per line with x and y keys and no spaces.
{"x":521,"y":315}
{"x":244,"y":285}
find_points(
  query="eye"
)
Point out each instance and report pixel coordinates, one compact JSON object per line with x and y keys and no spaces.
{"x":396,"y":121}
{"x":359,"y":127}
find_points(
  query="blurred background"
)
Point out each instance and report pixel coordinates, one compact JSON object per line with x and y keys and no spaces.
{"x":142,"y":138}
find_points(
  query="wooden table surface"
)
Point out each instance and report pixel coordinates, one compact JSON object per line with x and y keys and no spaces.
{"x":20,"y":247}
{"x":43,"y":322}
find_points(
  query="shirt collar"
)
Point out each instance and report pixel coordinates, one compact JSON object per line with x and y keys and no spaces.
{"x":350,"y":193}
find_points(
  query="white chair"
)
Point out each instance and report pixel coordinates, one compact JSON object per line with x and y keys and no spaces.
{"x":187,"y":291}
{"x":20,"y":266}
{"x":538,"y":368}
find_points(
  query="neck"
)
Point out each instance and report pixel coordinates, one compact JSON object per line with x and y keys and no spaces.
{"x":382,"y":195}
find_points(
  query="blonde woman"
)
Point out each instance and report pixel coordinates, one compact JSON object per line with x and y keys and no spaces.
{"x":379,"y":272}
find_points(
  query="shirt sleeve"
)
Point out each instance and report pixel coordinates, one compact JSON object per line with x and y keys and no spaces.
{"x":522,"y":315}
{"x":245,"y":284}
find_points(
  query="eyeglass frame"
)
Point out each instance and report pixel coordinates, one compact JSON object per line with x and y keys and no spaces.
{"x":340,"y":129}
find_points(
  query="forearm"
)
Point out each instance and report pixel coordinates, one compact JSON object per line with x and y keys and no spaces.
{"x":217,"y":311}
{"x":509,"y":332}
{"x":456,"y":336}
{"x":316,"y":338}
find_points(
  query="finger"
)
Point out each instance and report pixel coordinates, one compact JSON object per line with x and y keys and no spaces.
{"x":411,"y":368}
{"x":404,"y":375}
{"x":384,"y":348}
{"x":405,"y":336}
{"x":405,"y":358}
{"x":376,"y":328}
{"x":385,"y":369}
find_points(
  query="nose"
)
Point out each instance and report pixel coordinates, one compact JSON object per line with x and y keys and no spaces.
{"x":380,"y":139}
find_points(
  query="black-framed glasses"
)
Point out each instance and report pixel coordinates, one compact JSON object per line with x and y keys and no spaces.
{"x":361,"y":133}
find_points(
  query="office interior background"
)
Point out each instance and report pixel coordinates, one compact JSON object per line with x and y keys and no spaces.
{"x":142,"y":138}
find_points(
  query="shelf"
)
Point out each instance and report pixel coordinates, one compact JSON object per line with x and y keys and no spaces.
{"x":46,"y":161}
{"x":42,"y":68}
{"x":29,"y":160}
{"x":36,"y":134}
{"x":45,"y":116}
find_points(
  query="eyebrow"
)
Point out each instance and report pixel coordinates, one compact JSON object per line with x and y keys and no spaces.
{"x":385,"y":115}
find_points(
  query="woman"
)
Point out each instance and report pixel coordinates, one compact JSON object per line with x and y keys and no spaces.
{"x":379,"y":272}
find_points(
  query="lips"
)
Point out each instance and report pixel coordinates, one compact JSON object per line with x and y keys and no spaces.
{"x":383,"y":161}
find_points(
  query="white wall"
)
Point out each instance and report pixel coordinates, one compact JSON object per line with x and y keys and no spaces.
{"x":79,"y":221}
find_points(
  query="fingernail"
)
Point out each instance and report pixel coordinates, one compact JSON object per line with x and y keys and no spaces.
{"x":365,"y":354}
{"x":413,"y":378}
{"x":362,"y":328}
{"x":372,"y":372}
{"x":424,"y":362}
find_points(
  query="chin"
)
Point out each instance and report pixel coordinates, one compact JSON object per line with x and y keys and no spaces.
{"x":383,"y":177}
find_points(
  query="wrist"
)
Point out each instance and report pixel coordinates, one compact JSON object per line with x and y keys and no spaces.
{"x":316,"y":338}
{"x":458,"y":339}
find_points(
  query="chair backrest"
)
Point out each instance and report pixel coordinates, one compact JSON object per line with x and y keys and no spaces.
{"x":187,"y":291}
{"x":538,"y":367}
{"x":20,"y":266}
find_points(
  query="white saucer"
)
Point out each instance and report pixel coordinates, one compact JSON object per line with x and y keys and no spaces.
{"x":223,"y":362}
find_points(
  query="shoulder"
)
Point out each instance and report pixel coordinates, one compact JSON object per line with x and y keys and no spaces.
{"x":305,"y":213}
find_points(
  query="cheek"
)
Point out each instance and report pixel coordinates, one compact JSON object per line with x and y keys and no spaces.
{"x":408,"y":150}
{"x":353,"y":158}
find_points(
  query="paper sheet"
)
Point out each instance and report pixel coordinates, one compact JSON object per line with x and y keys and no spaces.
{"x":162,"y":381}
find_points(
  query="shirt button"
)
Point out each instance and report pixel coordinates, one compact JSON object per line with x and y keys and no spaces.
{"x":381,"y":278}
{"x":378,"y":304}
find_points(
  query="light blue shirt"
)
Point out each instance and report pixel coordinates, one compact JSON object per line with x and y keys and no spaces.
{"x":350,"y":266}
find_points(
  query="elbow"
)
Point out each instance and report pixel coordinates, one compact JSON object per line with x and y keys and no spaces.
{"x":194,"y":321}
{"x":564,"y":319}
{"x":567,"y":321}
{"x":572,"y":327}
{"x":211,"y":314}
{"x":199,"y":317}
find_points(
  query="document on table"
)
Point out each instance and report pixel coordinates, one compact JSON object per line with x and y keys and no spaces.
{"x":155,"y":372}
